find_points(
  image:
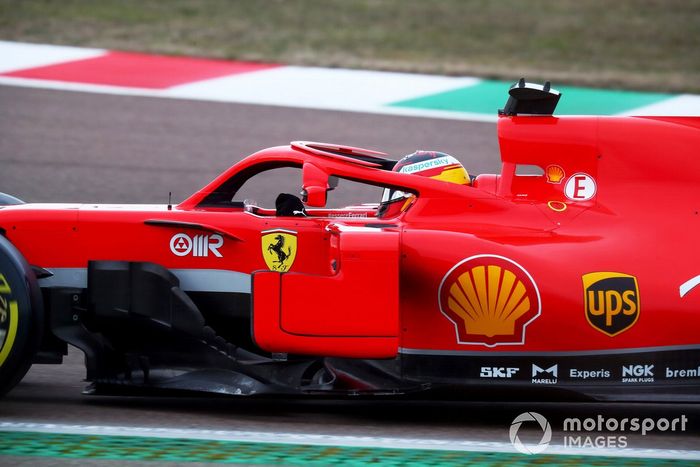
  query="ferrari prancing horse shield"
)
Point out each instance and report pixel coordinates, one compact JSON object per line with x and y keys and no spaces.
{"x":279,"y":249}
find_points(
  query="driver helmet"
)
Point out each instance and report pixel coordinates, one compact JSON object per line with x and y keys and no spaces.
{"x":433,"y":164}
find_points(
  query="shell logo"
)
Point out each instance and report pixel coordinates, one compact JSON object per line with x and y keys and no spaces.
{"x":555,"y":174}
{"x":490,"y":300}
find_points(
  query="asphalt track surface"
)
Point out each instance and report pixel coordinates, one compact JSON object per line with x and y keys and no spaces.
{"x":61,"y":146}
{"x":74,"y":147}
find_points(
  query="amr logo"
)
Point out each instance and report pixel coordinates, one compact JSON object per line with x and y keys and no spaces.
{"x":279,"y":249}
{"x":200,"y":245}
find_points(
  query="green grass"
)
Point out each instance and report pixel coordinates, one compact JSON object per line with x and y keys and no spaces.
{"x":633,"y":44}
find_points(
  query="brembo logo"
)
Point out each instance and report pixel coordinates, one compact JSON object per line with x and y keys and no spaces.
{"x":200,"y":245}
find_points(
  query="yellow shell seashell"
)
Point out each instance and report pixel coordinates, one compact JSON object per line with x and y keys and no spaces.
{"x":489,"y":299}
{"x":554,"y":174}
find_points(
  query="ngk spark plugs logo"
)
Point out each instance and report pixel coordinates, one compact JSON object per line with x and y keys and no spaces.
{"x":199,"y":246}
{"x":490,"y":300}
{"x":638,"y":374}
{"x":611,"y":300}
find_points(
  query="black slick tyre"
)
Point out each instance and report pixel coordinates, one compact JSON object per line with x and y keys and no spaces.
{"x":21,"y":316}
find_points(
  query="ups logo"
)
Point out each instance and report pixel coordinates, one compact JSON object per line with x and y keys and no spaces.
{"x":611,"y":300}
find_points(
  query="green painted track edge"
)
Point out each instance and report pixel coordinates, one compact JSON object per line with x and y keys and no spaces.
{"x":183,"y":450}
{"x":486,"y":96}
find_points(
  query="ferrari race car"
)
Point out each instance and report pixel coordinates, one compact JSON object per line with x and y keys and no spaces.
{"x":572,"y":273}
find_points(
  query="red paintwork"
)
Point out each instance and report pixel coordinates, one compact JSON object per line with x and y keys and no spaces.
{"x":643,"y":220}
{"x":128,"y":69}
{"x":366,"y":322}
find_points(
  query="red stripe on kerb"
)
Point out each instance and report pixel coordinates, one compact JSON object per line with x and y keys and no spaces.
{"x":139,"y":70}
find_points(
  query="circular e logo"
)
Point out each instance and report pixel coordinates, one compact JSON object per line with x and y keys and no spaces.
{"x":580,"y":187}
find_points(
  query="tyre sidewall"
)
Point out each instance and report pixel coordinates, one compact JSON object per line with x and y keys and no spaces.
{"x":21,"y":316}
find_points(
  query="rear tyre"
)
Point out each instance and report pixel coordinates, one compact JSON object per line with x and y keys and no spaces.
{"x":21,"y":316}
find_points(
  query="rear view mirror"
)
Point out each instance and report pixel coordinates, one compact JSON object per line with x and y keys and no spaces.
{"x":314,"y":196}
{"x":333,"y":182}
{"x":315,"y":186}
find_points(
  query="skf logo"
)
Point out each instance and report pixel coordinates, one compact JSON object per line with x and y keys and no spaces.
{"x":542,"y":375}
{"x":200,"y":245}
{"x":279,"y":249}
{"x":611,"y":300}
{"x":638,"y":374}
{"x":490,"y":300}
{"x":497,"y":372}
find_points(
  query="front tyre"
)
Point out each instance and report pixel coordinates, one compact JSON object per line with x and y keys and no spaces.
{"x":21,"y":316}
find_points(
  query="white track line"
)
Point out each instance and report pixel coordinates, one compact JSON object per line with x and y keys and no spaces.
{"x":687,"y":105}
{"x":333,"y":440}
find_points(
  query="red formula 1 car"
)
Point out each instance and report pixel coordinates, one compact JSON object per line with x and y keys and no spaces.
{"x":577,"y":276}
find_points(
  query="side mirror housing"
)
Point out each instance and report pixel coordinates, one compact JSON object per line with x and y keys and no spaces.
{"x":315,"y":186}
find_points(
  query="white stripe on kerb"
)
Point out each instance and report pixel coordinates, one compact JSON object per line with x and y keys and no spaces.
{"x":79,"y":87}
{"x":16,"y":56}
{"x":444,"y":444}
{"x":331,"y":88}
